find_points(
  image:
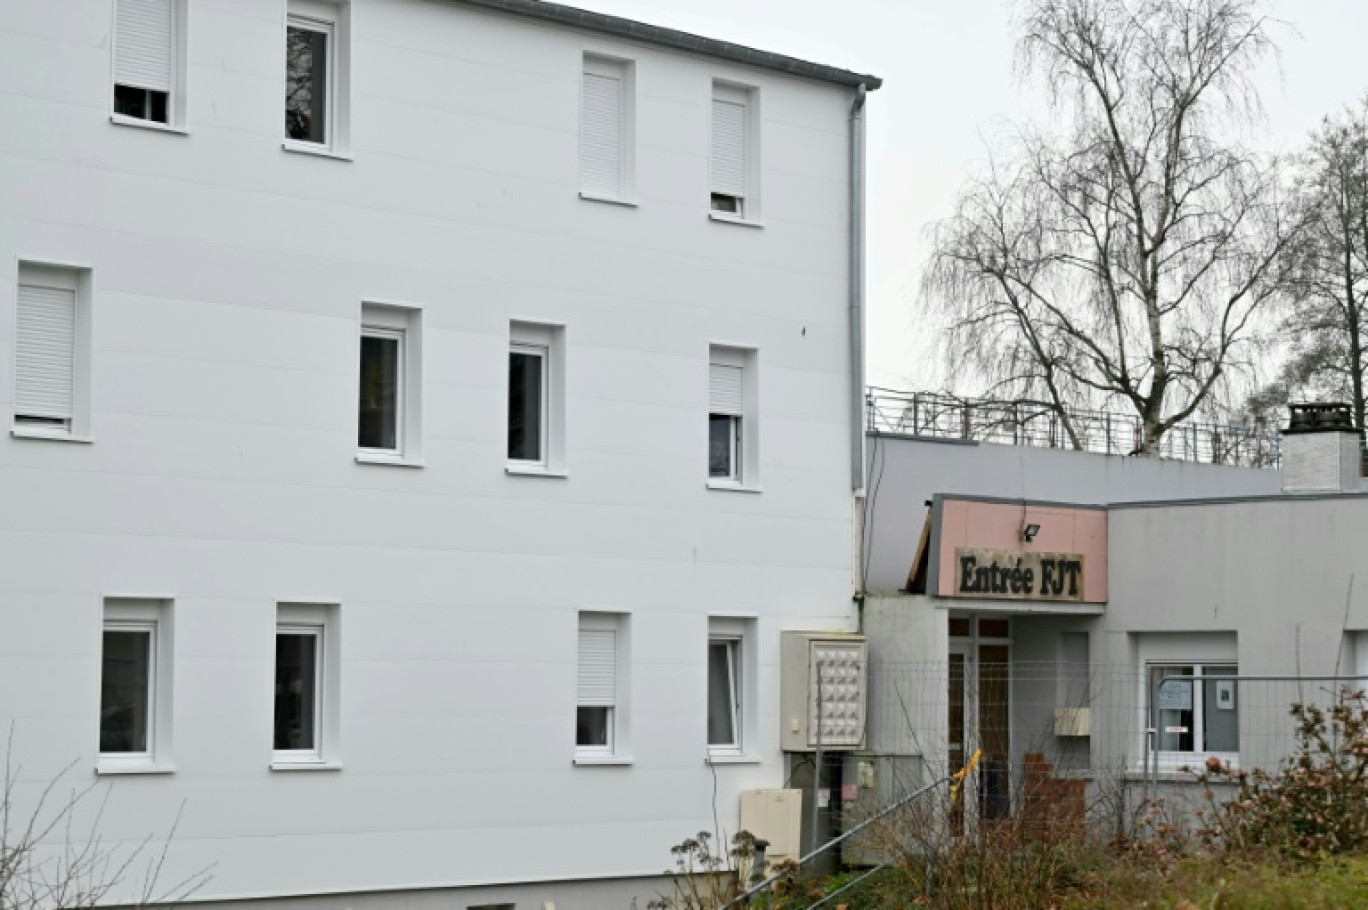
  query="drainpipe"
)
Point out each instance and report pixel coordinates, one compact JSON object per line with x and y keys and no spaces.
{"x":856,"y":271}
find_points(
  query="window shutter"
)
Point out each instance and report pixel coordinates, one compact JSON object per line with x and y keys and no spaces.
{"x":729,"y":147}
{"x":597,"y":682}
{"x":45,"y":352}
{"x":725,"y":387}
{"x":601,"y":135}
{"x":143,"y":42}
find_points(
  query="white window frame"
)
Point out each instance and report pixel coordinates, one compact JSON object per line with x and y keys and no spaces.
{"x":618,"y":749}
{"x":1194,"y":650}
{"x":321,"y":620}
{"x":547,"y":340}
{"x":154,"y":617}
{"x":738,"y":635}
{"x":1172,"y":759}
{"x":79,"y":280}
{"x":401,"y":322}
{"x":747,"y":203}
{"x":745,"y":435}
{"x":176,"y":107}
{"x":332,"y":19}
{"x":624,"y":70}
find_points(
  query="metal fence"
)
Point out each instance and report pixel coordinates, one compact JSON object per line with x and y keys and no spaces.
{"x":1017,"y":423}
{"x":1120,"y":724}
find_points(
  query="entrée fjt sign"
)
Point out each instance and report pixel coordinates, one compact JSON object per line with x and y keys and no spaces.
{"x":1018,"y":576}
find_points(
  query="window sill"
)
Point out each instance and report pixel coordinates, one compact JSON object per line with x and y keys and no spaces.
{"x":535,"y":470}
{"x":611,"y":200}
{"x":137,"y":123}
{"x":735,"y":219}
{"x":397,"y":461}
{"x":52,"y":435}
{"x":733,"y":486}
{"x":316,"y":150}
{"x":108,"y":766}
{"x":306,"y":766}
{"x":731,"y":758}
{"x":604,"y":760}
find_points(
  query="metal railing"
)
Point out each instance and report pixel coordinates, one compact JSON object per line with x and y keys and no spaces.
{"x":902,"y":413}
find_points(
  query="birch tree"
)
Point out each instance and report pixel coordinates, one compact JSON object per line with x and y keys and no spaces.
{"x":1126,"y":256}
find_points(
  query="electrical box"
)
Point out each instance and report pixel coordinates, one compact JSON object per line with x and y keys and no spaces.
{"x":1073,"y":721}
{"x":775,"y":816}
{"x":822,"y":682}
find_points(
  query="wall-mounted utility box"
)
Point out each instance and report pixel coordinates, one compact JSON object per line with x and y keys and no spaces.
{"x":775,"y":816}
{"x":1073,"y":721}
{"x":822,"y":681}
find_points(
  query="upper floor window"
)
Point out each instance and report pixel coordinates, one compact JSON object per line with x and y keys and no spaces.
{"x":317,"y":65}
{"x":732,"y":417}
{"x":606,"y":115}
{"x":52,"y":344}
{"x":149,"y":61}
{"x":536,"y":398}
{"x":733,"y":154}
{"x":389,"y":393}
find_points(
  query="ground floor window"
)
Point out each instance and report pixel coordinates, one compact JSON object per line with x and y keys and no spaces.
{"x":1193,"y":709}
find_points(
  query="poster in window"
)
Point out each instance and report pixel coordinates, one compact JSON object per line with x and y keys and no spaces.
{"x":1225,"y":694}
{"x":1175,"y":696}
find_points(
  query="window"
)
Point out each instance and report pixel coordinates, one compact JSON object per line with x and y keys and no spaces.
{"x":317,"y":64}
{"x":730,"y":678}
{"x":388,"y":403}
{"x":1195,"y":717}
{"x":732,"y":436}
{"x":52,"y":344}
{"x":536,"y":401}
{"x":135,"y":686}
{"x":733,"y":157}
{"x":600,"y":687}
{"x":305,"y":712}
{"x":606,"y":129}
{"x":724,"y":696}
{"x":149,"y":61}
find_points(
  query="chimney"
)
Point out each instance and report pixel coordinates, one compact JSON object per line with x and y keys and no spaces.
{"x":1321,"y":450}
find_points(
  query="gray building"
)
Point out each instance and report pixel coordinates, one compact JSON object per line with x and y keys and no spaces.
{"x":1029,"y":604}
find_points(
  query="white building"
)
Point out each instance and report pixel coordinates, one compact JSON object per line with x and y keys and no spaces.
{"x":508,"y":620}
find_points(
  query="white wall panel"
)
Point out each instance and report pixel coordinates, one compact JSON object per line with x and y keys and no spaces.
{"x":228,"y":277}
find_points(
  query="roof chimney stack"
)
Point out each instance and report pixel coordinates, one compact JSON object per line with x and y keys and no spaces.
{"x":1321,"y":449}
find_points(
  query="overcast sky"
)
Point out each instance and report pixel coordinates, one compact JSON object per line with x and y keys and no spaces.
{"x":949,"y":86}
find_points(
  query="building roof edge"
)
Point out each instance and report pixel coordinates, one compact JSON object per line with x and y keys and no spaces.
{"x":677,"y":40}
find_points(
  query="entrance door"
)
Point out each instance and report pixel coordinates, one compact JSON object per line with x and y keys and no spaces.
{"x":979,"y":718}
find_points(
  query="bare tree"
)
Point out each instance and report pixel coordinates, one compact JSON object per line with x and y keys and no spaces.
{"x":52,"y":855}
{"x":1128,"y":256}
{"x":1328,"y":278}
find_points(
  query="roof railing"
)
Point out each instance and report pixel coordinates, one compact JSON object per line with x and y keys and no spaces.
{"x":900,"y":413}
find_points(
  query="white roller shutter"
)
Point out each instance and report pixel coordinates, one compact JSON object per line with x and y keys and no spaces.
{"x":726,"y":386}
{"x":601,"y":135}
{"x":45,"y":353}
{"x":143,"y":43}
{"x":597,"y":675}
{"x":729,"y":147}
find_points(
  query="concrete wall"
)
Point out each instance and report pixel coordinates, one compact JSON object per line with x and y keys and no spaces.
{"x":905,"y":472}
{"x":228,"y":278}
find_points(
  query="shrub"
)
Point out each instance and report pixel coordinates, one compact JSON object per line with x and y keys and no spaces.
{"x":1316,"y":805}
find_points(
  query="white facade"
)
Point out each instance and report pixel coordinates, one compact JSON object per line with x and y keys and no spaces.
{"x":208,"y":472}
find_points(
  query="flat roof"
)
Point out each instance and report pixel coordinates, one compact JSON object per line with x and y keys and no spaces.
{"x":675,"y":40}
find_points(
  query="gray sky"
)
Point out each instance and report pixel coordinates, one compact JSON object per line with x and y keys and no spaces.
{"x":949,"y":86}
